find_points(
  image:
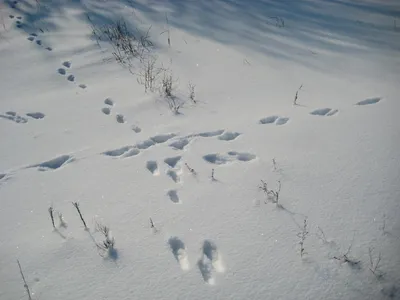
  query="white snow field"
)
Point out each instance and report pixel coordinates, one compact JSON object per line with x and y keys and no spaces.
{"x":300,"y":94}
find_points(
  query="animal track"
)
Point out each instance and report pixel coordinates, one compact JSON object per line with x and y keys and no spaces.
{"x":281,"y":121}
{"x":180,"y":144}
{"x":13,"y":116}
{"x":209,"y":262}
{"x":162,"y":138}
{"x":205,"y":268}
{"x":136,"y":129}
{"x":210,"y":250}
{"x":216,"y":159}
{"x":71,"y":78}
{"x":39,"y":42}
{"x":49,"y":48}
{"x":106,"y":110}
{"x":173,"y":196}
{"x":54,"y":163}
{"x":274,"y":119}
{"x":228,"y":136}
{"x":120,"y":118}
{"x":324,"y":112}
{"x":67,"y":64}
{"x":152,"y":166}
{"x":83,"y":86}
{"x":36,"y":115}
{"x":242,"y":156}
{"x":173,"y":175}
{"x":30,"y":38}
{"x":109,"y":101}
{"x":172,"y":161}
{"x":179,"y":251}
{"x":145,"y":144}
{"x":132,"y":152}
{"x":62,"y":71}
{"x":219,"y":159}
{"x":369,"y":101}
{"x":269,"y":120}
{"x":119,"y":151}
{"x":211,"y":133}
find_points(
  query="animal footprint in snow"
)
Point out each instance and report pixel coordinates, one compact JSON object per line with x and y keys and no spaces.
{"x":228,"y":136}
{"x":36,"y":115}
{"x":210,"y":250}
{"x":174,"y":173}
{"x":13,"y":116}
{"x":39,"y":42}
{"x":180,"y":144}
{"x":209,"y":262}
{"x":172,"y":161}
{"x":109,"y":102}
{"x":120,"y":118}
{"x":54,"y":163}
{"x":179,"y":251}
{"x":67,"y":64}
{"x":369,"y":101}
{"x":324,"y":112}
{"x":71,"y":78}
{"x":136,"y":128}
{"x":173,"y":196}
{"x":127,"y":151}
{"x":106,"y":110}
{"x":274,"y":120}
{"x":220,"y":159}
{"x":62,"y":71}
{"x":152,"y":166}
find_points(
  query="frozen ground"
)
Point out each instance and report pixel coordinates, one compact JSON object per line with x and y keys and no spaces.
{"x":76,"y":126}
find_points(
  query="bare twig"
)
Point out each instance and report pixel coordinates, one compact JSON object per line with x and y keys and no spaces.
{"x":321,"y":235}
{"x":76,"y":204}
{"x":345,"y":257}
{"x":169,"y":36}
{"x":303,"y":235}
{"x":51,"y":210}
{"x":274,"y":163}
{"x":191,"y":170}
{"x":374,"y":265}
{"x":192,"y":95}
{"x":25,"y":284}
{"x":296,"y":96}
{"x":272,"y":195}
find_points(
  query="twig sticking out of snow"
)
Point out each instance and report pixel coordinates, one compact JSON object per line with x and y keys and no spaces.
{"x":51,"y":211}
{"x":191,"y":170}
{"x":297,"y":95}
{"x":272,"y":195}
{"x":374,"y":265}
{"x":25,"y":284}
{"x":346,"y":259}
{"x":76,"y":204}
{"x":303,"y":235}
{"x":109,"y":242}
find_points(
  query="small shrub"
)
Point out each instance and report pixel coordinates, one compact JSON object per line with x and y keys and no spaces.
{"x":107,"y":245}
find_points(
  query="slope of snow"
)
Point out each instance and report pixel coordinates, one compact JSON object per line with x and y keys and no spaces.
{"x":76,"y":126}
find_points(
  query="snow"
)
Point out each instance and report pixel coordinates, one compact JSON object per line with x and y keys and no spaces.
{"x":76,"y":126}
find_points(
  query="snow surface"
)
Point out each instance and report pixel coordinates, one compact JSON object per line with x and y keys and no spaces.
{"x":76,"y":126}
